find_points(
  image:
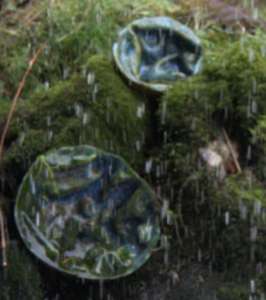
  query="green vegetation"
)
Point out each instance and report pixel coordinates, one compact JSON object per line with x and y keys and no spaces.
{"x":21,"y":279}
{"x":75,"y":95}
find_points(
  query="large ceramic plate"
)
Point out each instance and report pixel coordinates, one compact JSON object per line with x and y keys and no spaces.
{"x":87,"y":213}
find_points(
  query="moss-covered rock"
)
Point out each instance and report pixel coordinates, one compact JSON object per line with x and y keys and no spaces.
{"x":98,"y":109}
{"x":230,"y":93}
{"x":220,"y":224}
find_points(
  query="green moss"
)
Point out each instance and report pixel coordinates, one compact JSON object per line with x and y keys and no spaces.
{"x":102,"y":114}
{"x":231,"y":291}
{"x":229,"y":91}
{"x":21,"y":278}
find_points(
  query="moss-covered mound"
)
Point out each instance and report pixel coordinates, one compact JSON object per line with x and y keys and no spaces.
{"x":98,"y":109}
{"x":229,"y":93}
{"x":220,"y":223}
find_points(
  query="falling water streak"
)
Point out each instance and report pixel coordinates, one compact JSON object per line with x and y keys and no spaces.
{"x":3,"y":239}
{"x":46,"y":85}
{"x":174,"y":278}
{"x":165,"y":208}
{"x":242,"y":44}
{"x":223,"y":64}
{"x":249,"y":153}
{"x":91,"y":78}
{"x":101,"y":289}
{"x":85,"y":119}
{"x":227,"y":218}
{"x":37,"y":219}
{"x":141,"y":110}
{"x":257,"y":208}
{"x":253,"y":233}
{"x":48,"y":118}
{"x":252,"y":287}
{"x":196,"y":94}
{"x":255,"y":13}
{"x":202,"y":197}
{"x":157,"y":171}
{"x":165,"y":137}
{"x":226,"y":112}
{"x":1,"y":88}
{"x":143,"y":137}
{"x":49,"y":135}
{"x":32,"y":185}
{"x":254,"y":107}
{"x":262,"y":50}
{"x":163,"y":116}
{"x":66,"y":73}
{"x":138,"y":146}
{"x":169,"y":220}
{"x":78,"y":109}
{"x":243,"y":212}
{"x":199,"y":255}
{"x":251,"y":54}
{"x":254,"y":86}
{"x":193,"y":125}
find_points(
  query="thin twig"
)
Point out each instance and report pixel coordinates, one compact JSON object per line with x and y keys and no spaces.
{"x":232,"y":151}
{"x":11,"y":112}
{"x":3,"y":239}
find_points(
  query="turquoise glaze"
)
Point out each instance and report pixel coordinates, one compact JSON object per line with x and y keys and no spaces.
{"x":155,"y":52}
{"x":87,"y":213}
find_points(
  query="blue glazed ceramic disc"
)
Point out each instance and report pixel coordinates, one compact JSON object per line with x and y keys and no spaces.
{"x":87,"y":213}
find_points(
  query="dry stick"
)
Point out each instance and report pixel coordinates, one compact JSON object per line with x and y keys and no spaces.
{"x":3,"y":239}
{"x":232,"y":151}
